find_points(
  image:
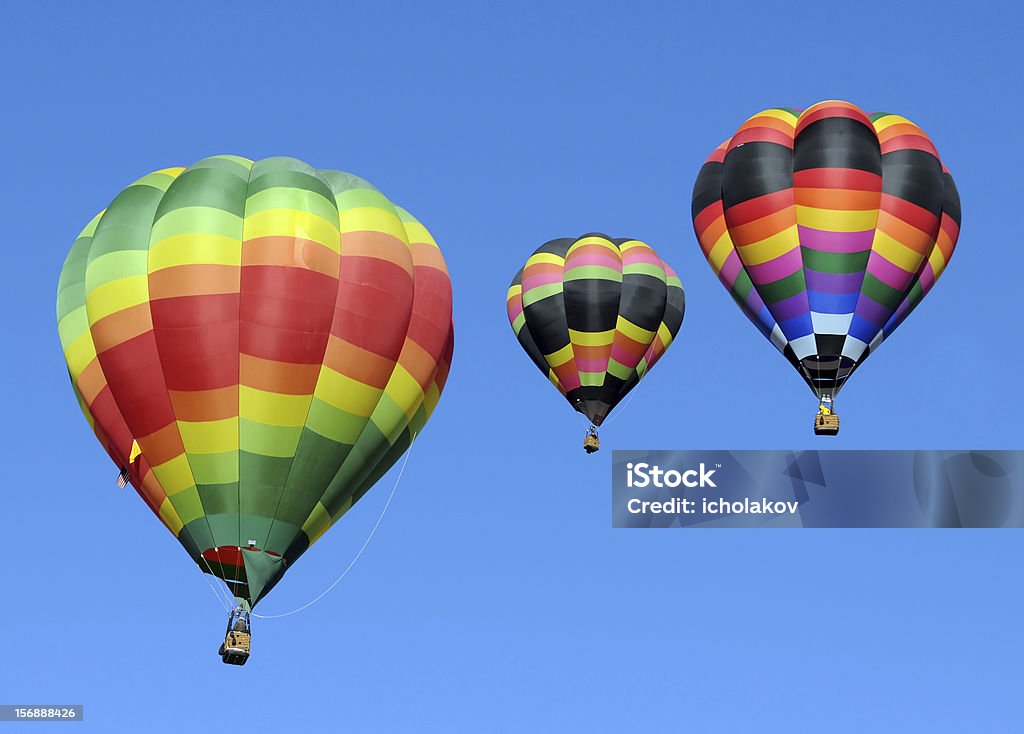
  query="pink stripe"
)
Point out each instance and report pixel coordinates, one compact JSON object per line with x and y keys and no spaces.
{"x":623,"y":356}
{"x":515,"y":307}
{"x":782,"y":266}
{"x":535,"y":281}
{"x":892,"y":275}
{"x":593,"y":258}
{"x":730,"y":269}
{"x":843,"y":242}
{"x":639,"y":255}
{"x":591,"y":365}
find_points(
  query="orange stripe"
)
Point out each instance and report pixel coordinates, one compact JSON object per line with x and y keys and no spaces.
{"x":838,"y":199}
{"x":770,"y":122}
{"x":905,"y":234}
{"x":162,"y":445}
{"x":121,"y":326}
{"x":902,"y":128}
{"x":582,"y":351}
{"x":357,"y":363}
{"x":91,"y":381}
{"x":712,"y":233}
{"x":194,"y":280}
{"x":292,"y":252}
{"x":418,"y":362}
{"x":205,"y":405}
{"x":765,"y":227}
{"x":278,"y":377}
{"x":376,"y":245}
{"x":428,"y":256}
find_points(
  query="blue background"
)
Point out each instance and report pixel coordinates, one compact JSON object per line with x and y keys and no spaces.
{"x":496,"y":596}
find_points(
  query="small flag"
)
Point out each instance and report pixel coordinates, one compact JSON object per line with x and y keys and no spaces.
{"x":136,"y":452}
{"x":122,"y":478}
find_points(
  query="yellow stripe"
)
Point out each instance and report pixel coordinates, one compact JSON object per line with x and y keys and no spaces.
{"x":545,"y":258}
{"x":770,"y":247}
{"x":786,"y":117}
{"x":896,"y":252}
{"x":345,"y":393}
{"x":175,"y":475}
{"x":632,"y":245}
{"x":557,"y":359}
{"x":117,"y":295}
{"x":416,"y":232}
{"x":634,"y":332}
{"x":593,"y":241}
{"x":720,"y":252}
{"x":889,"y":120}
{"x":198,"y":248}
{"x":79,"y":354}
{"x":372,"y":219}
{"x":209,"y":437}
{"x":832,"y":220}
{"x":169,"y":516}
{"x":405,"y":391}
{"x":275,"y":409}
{"x":173,"y":172}
{"x":292,"y":223}
{"x":317,"y":524}
{"x":592,"y":338}
{"x":514,"y":290}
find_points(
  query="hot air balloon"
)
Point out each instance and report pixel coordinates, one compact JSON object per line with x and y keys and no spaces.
{"x":254,"y":344}
{"x":594,"y":314}
{"x":828,"y":227}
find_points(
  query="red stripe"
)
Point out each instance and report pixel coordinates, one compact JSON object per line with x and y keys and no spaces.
{"x":837,"y":178}
{"x":912,"y":214}
{"x":709,"y":214}
{"x":231,"y":555}
{"x":373,"y":302}
{"x":761,"y":135}
{"x":909,"y":142}
{"x":758,"y":207}
{"x":834,"y":111}
{"x":136,"y":380}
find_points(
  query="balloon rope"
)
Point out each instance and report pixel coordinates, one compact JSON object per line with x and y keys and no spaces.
{"x":360,"y":553}
{"x":212,"y":585}
{"x":622,"y":410}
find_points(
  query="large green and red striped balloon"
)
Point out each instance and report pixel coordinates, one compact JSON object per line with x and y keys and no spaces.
{"x":828,"y":227}
{"x":255,"y":343}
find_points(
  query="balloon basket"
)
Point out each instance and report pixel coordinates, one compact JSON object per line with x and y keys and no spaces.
{"x":826,"y":425}
{"x":237,"y":638}
{"x":591,"y":443}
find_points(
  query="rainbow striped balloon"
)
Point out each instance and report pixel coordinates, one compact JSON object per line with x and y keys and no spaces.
{"x":828,"y":227}
{"x":254,"y":344}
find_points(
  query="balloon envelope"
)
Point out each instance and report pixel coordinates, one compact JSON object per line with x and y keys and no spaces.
{"x":254,"y":344}
{"x":828,"y":227}
{"x":594,"y":314}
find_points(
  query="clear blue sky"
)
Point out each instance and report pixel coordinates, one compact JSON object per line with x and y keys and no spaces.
{"x":496,"y":596}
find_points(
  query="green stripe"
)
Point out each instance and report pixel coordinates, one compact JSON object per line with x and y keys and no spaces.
{"x":881,"y":293}
{"x":780,"y":290}
{"x":834,"y":262}
{"x":539,"y":293}
{"x":592,"y":272}
{"x":212,"y":188}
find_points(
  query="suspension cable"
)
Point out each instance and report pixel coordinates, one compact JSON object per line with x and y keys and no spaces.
{"x":366,"y":542}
